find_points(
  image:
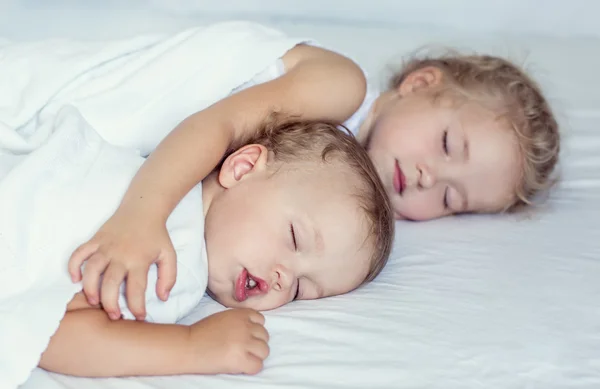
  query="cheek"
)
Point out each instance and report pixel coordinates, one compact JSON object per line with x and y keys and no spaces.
{"x":269,"y":302}
{"x":417,"y":143}
{"x":232,"y":221}
{"x":406,"y":140}
{"x":226,"y":237}
{"x":418,"y":206}
{"x":387,"y":134}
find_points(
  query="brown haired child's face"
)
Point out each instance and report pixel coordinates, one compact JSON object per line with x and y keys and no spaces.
{"x":437,"y":158}
{"x":272,"y":238}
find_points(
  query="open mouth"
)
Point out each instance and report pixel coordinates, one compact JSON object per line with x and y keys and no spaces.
{"x":248,"y":285}
{"x":399,"y":179}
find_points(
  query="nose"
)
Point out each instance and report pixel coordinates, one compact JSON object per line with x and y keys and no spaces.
{"x":282,"y":279}
{"x":427,"y":178}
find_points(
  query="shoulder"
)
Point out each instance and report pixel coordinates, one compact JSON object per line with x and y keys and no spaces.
{"x":326,"y":77}
{"x":307,"y":53}
{"x":318,"y":84}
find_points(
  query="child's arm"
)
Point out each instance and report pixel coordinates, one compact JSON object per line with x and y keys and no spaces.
{"x":319,"y":84}
{"x":89,"y":344}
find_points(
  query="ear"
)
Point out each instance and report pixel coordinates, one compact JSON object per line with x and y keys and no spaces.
{"x":243,"y":162}
{"x":420,"y":79}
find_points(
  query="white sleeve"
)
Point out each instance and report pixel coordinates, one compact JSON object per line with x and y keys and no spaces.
{"x":186,"y":229}
{"x":277,"y":69}
{"x":354,"y":122}
{"x":185,"y":295}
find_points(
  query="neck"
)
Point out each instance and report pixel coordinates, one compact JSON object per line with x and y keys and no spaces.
{"x":366,"y":128}
{"x":210,"y":190}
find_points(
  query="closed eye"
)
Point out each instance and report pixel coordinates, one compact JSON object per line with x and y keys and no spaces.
{"x":293,"y":237}
{"x":297,"y":290}
{"x":445,"y":142}
{"x":446,"y":205}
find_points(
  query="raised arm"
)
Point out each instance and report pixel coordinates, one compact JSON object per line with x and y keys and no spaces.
{"x":319,"y":84}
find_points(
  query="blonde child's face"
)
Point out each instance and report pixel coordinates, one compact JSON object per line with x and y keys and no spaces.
{"x":297,"y":234}
{"x":437,"y":158}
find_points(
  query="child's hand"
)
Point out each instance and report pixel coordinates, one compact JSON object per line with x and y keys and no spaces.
{"x":125,"y":247}
{"x":234,"y":341}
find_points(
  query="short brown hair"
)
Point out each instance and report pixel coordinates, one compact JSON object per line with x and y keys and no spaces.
{"x":515,"y":98}
{"x":292,"y":139}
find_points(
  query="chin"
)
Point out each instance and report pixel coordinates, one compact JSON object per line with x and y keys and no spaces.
{"x":399,"y":215}
{"x":223,"y":301}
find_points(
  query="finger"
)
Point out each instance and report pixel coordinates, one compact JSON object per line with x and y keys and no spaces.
{"x":260,"y":332}
{"x":259,"y":349}
{"x":256,"y":317}
{"x":252,"y":364}
{"x":167,"y":273}
{"x":113,"y":278}
{"x":94,"y":268}
{"x":137,"y":281}
{"x":79,"y":256}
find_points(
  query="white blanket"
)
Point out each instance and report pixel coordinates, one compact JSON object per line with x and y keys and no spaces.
{"x":74,"y":119}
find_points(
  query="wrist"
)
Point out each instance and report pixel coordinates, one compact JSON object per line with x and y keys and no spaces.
{"x":200,"y":356}
{"x":191,"y":355}
{"x":143,"y":210}
{"x":175,"y":355}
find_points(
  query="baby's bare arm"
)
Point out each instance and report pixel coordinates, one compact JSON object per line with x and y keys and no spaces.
{"x":319,"y":84}
{"x":89,"y":344}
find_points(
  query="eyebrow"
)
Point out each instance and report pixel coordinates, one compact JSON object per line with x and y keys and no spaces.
{"x":319,"y":242}
{"x":467,"y":155}
{"x":310,"y":228}
{"x":309,"y":236}
{"x":320,"y":291}
{"x":464,"y":207}
{"x":311,"y":232}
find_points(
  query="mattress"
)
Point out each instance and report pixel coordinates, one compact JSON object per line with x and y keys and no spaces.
{"x":471,"y":302}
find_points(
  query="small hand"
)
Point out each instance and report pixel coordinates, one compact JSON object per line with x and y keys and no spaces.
{"x":234,"y":341}
{"x":124,"y":248}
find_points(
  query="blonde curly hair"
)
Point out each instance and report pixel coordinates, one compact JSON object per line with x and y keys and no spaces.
{"x":515,"y":97}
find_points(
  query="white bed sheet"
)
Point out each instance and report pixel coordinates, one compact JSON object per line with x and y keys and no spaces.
{"x":473,"y":302}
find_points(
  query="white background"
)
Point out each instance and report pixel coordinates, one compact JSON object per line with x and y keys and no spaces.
{"x":555,"y":17}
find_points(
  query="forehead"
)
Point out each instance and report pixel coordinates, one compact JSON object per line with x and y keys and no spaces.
{"x":326,"y":204}
{"x":343,"y":261}
{"x":329,"y":195}
{"x":493,"y":168}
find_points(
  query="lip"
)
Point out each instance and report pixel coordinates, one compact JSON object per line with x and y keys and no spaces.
{"x":241,"y":293}
{"x":240,"y":286}
{"x":399,"y":178}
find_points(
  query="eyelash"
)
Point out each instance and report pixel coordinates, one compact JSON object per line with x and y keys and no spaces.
{"x":446,"y":206}
{"x":446,"y":151}
{"x":445,"y":141}
{"x":297,"y":290}
{"x":296,"y":249}
{"x":293,"y":237}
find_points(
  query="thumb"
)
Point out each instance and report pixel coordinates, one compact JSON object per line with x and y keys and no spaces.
{"x":167,"y":272}
{"x":78,"y":257}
